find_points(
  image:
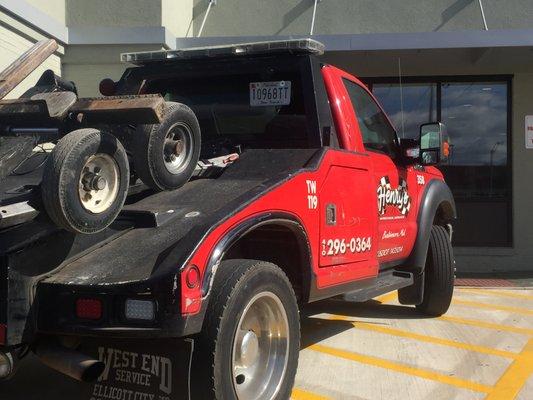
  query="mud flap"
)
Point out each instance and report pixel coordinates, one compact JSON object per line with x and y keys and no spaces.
{"x":414,"y":294}
{"x":156,"y":369}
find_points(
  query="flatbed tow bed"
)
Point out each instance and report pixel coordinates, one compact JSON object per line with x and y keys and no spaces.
{"x":195,"y":292}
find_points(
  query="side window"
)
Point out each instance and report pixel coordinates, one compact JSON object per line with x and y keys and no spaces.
{"x":378,"y":134}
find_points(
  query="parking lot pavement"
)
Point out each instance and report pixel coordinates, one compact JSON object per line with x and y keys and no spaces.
{"x":481,"y":349}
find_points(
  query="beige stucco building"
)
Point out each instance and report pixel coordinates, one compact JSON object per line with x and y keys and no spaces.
{"x":468,"y":63}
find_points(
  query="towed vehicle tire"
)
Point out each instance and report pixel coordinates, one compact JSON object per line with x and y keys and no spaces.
{"x":85,"y":181}
{"x":249,"y":344}
{"x":166,"y":154}
{"x":438,"y":274}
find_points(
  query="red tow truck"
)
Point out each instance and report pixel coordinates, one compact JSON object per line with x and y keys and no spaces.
{"x":303,"y":192}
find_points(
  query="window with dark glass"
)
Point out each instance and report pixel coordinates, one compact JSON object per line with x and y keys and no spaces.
{"x":376,"y":130}
{"x":476,"y":113}
{"x":419,"y":105}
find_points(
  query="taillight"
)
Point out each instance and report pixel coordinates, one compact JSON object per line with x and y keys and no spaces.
{"x":89,"y":309}
{"x":191,"y":290}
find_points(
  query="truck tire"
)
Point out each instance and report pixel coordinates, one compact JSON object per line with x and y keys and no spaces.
{"x":439,"y":274}
{"x":249,"y":345}
{"x":85,"y":181}
{"x":166,"y":154}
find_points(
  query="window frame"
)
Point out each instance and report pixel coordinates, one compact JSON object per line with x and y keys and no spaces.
{"x":396,"y":140}
{"x":439,"y":80}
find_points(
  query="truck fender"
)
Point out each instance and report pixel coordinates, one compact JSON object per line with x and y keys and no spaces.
{"x":237,"y":232}
{"x":436,"y":206}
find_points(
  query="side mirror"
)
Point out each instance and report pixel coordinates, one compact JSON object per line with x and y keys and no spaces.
{"x":434,"y":144}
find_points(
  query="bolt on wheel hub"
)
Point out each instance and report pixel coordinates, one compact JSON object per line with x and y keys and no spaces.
{"x":177,"y":148}
{"x":98,"y":183}
{"x":249,"y":348}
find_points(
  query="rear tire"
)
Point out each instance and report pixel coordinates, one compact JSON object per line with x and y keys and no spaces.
{"x":439,"y":274}
{"x":248,"y":348}
{"x":166,"y":154}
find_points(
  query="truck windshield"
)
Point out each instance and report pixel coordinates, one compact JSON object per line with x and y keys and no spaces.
{"x":256,"y":110}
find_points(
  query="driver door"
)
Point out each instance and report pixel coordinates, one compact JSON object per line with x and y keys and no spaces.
{"x":392,"y":183}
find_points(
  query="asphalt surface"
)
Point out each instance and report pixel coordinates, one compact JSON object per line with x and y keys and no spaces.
{"x":481,"y":349}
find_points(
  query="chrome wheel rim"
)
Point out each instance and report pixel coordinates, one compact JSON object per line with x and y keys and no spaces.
{"x":177,"y":148}
{"x":260,"y":348}
{"x":98,"y":183}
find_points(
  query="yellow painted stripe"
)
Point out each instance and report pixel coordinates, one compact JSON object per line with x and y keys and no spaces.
{"x":402,"y":368}
{"x":512,"y":381}
{"x":300,"y":394}
{"x":514,"y":294}
{"x":428,"y":339}
{"x":515,"y":310}
{"x":488,"y":325}
{"x":472,"y":322}
{"x":387,"y":298}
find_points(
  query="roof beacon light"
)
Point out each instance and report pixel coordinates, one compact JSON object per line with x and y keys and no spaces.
{"x":292,"y":46}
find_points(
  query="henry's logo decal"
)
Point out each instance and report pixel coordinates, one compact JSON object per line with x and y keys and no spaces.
{"x":387,"y":196}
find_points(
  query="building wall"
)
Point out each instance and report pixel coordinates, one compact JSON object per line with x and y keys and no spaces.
{"x":15,"y":38}
{"x":92,"y":55}
{"x":87,"y":65}
{"x":177,"y":17}
{"x":113,"y":13}
{"x":293,"y":17}
{"x":52,"y":8}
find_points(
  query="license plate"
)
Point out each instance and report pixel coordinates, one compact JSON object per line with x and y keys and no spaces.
{"x":270,"y":93}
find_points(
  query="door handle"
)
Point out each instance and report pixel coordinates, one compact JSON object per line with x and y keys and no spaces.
{"x":331,"y":214}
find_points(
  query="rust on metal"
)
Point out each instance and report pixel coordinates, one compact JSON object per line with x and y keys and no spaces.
{"x":40,"y":106}
{"x":23,"y":110}
{"x":140,"y":109}
{"x":25,"y":65}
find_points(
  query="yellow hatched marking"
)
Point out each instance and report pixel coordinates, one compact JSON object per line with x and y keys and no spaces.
{"x":299,"y":394}
{"x":428,"y":339}
{"x":402,"y":368}
{"x":472,"y":322}
{"x":516,"y":310}
{"x":511,"y":294}
{"x":515,"y":377}
{"x":488,"y":325}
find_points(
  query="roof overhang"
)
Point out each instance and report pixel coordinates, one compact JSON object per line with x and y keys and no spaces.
{"x":390,"y":41}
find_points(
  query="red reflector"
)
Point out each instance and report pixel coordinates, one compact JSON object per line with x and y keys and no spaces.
{"x":88,"y":308}
{"x":192,"y":276}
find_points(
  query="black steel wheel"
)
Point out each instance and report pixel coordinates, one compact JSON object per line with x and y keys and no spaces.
{"x":85,"y":181}
{"x":438,"y":274}
{"x":248,"y":348}
{"x":166,"y":154}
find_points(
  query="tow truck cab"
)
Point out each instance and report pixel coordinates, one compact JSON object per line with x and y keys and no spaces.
{"x":322,"y":189}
